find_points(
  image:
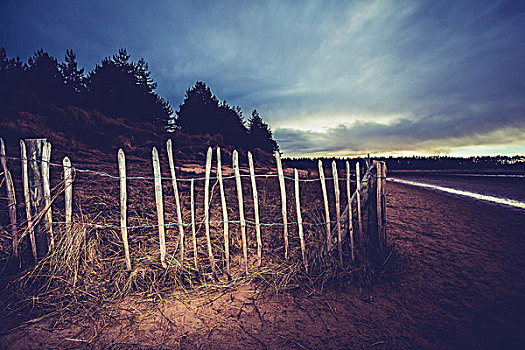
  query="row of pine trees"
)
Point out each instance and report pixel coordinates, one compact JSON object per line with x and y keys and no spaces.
{"x":121,"y":88}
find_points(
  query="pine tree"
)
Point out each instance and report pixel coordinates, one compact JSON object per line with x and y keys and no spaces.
{"x":73,"y":77}
{"x":120,"y":87}
{"x":260,"y":134}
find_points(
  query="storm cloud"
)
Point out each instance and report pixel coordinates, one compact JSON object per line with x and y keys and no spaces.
{"x":329,"y":77}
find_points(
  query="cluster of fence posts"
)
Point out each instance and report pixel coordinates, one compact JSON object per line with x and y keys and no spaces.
{"x":38,"y":201}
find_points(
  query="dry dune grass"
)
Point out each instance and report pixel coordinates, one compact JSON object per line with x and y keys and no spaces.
{"x":87,"y":268}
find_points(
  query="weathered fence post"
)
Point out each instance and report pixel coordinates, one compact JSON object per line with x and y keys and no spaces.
{"x":123,"y":206}
{"x":237,"y":172}
{"x":11,"y":199}
{"x":209,"y":155}
{"x":300,"y":220}
{"x":350,"y":211}
{"x":36,"y":191}
{"x":160,"y":205}
{"x":326,"y":208}
{"x":283,"y":202}
{"x":68,"y":190}
{"x":224,"y":214}
{"x":46,"y":157}
{"x":27,"y":198}
{"x":177,"y":201}
{"x":338,"y":212}
{"x":256,"y":210}
{"x":379,"y":171}
{"x":358,"y":200}
{"x":383,"y":204}
{"x":192,"y":204}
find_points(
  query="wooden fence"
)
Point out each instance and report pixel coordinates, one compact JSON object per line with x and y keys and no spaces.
{"x":344,"y":225}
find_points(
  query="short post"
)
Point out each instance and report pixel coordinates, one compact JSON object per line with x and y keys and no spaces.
{"x":237,"y":172}
{"x":338,"y":212}
{"x":256,"y":209}
{"x":224,"y":214}
{"x":350,"y":212}
{"x":209,"y":155}
{"x":160,"y":205}
{"x":68,"y":190}
{"x":326,"y":208}
{"x":177,"y":201}
{"x":46,"y":157}
{"x":300,"y":220}
{"x":123,"y":206}
{"x":25,"y":180}
{"x":192,"y":201}
{"x":11,"y":199}
{"x":283,"y":202}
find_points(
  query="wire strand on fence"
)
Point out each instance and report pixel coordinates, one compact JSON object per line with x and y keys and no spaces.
{"x":202,"y":178}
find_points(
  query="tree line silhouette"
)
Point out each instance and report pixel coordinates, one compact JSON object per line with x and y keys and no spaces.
{"x":121,"y":88}
{"x":420,"y":162}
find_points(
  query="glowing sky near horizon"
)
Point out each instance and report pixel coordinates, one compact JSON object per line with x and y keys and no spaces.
{"x":329,"y":77}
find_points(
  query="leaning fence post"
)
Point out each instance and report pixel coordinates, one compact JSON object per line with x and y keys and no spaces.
{"x":160,"y":205}
{"x":326,"y":208}
{"x":209,"y":155}
{"x":358,"y":192}
{"x":256,"y":209}
{"x":123,"y":206}
{"x":46,"y":157}
{"x":338,"y":212}
{"x":68,"y":189}
{"x":350,"y":212}
{"x":25,"y":180}
{"x":224,"y":214}
{"x":300,"y":220}
{"x":241,"y":208}
{"x":11,"y":199}
{"x":177,"y":201}
{"x":192,"y":204}
{"x":283,"y":202}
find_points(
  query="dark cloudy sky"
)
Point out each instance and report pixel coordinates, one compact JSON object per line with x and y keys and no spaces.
{"x":330,"y":77}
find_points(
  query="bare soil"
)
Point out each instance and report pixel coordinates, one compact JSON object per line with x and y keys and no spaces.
{"x":457,"y":281}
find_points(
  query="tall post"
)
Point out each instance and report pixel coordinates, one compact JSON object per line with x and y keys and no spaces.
{"x":358,"y":200}
{"x":36,"y":191}
{"x":224,"y":214}
{"x":338,"y":212}
{"x":123,"y":206}
{"x":383,"y":203}
{"x":209,"y":155}
{"x":46,"y":157}
{"x":160,"y":205}
{"x":27,"y":198}
{"x":326,"y":208}
{"x":379,"y":171}
{"x":300,"y":220}
{"x":283,"y":202}
{"x":192,"y":204}
{"x":237,"y":172}
{"x":11,"y":199}
{"x":350,"y":211}
{"x":177,"y":201}
{"x":256,"y":210}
